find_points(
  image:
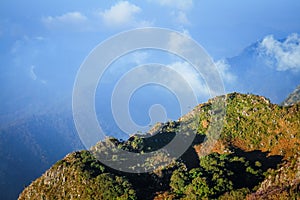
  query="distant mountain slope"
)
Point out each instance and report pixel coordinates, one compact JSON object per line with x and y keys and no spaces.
{"x":258,"y":72}
{"x":29,"y":146}
{"x":258,"y":152}
{"x":293,"y":98}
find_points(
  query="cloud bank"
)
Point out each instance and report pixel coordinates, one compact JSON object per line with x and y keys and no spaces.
{"x":284,"y":55}
{"x":224,"y":70}
{"x":178,"y":4}
{"x":191,"y":76}
{"x":121,"y":13}
{"x":74,"y":20}
{"x":180,"y":8}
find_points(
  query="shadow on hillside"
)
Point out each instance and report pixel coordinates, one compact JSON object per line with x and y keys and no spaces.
{"x":247,"y":168}
{"x":147,"y":184}
{"x":257,"y":155}
{"x":258,"y":160}
{"x":190,"y":157}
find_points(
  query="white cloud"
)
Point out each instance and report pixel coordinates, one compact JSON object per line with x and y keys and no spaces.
{"x":190,"y":75}
{"x":179,"y":7}
{"x":166,"y":75}
{"x":180,"y":17}
{"x":180,"y":44}
{"x":73,"y":20}
{"x":40,"y":38}
{"x":284,"y":55}
{"x":178,"y":4}
{"x":223,"y":68}
{"x":71,"y":17}
{"x":140,"y":57}
{"x":32,"y":74}
{"x":122,"y":14}
{"x":186,"y":32}
{"x":143,"y":23}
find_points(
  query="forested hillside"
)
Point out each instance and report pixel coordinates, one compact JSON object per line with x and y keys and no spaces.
{"x":256,"y":157}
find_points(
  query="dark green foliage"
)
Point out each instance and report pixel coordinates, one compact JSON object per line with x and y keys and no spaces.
{"x":179,"y":180}
{"x":80,"y":176}
{"x":256,"y":137}
{"x":239,"y":194}
{"x":216,"y":175}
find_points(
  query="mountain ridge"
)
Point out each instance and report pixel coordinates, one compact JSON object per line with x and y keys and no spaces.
{"x":293,"y":98}
{"x":256,"y":71}
{"x":259,"y":139}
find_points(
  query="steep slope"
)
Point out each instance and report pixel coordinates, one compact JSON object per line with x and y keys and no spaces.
{"x":257,"y":154}
{"x":256,"y":72}
{"x":30,"y":146}
{"x":281,"y":183}
{"x":79,"y":176}
{"x":293,"y":98}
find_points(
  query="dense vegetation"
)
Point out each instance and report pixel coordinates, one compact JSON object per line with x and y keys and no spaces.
{"x":256,"y":157}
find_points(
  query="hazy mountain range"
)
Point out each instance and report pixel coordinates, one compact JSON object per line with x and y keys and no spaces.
{"x":37,"y":129}
{"x":268,"y":67}
{"x":292,"y":98}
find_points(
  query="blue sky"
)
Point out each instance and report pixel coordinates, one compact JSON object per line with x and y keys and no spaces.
{"x":43,"y":43}
{"x":224,"y":28}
